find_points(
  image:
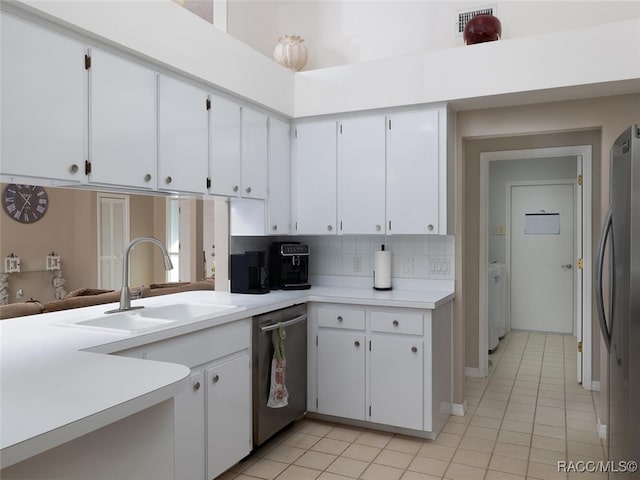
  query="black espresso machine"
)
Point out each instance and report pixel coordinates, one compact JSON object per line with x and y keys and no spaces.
{"x":289,"y":266}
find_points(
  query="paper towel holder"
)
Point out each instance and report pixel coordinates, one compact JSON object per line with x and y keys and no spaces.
{"x":374,"y":280}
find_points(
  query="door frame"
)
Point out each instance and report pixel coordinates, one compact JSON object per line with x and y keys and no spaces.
{"x":576,"y":240}
{"x":125,"y":231}
{"x":583,"y":154}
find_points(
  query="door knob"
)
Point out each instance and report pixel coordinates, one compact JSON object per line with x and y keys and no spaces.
{"x":248,"y":189}
{"x":236,"y":188}
{"x":356,"y":343}
{"x":568,"y":266}
{"x":196,"y":386}
{"x":168,"y":180}
{"x":414,"y":349}
{"x":215,"y":379}
{"x":74,"y":168}
{"x":147,"y":178}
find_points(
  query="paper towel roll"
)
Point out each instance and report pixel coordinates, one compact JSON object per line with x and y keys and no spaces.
{"x":382,"y":270}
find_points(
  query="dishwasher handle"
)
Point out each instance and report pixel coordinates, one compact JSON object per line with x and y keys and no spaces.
{"x":288,"y":323}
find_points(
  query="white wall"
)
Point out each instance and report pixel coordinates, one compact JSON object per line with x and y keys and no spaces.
{"x":344,"y":32}
{"x":501,"y":172}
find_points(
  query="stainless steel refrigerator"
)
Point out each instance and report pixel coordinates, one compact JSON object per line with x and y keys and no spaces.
{"x":620,"y":320}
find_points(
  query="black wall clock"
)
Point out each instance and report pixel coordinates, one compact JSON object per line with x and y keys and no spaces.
{"x":25,"y":203}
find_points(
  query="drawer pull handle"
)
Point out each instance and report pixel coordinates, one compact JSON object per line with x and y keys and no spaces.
{"x":356,"y":343}
{"x":168,"y":180}
{"x":395,"y":323}
{"x":147,"y":178}
{"x":236,"y":188}
{"x":74,"y":168}
{"x":196,"y":386}
{"x":215,"y":379}
{"x":274,"y":228}
{"x":414,"y":349}
{"x":248,"y":189}
{"x":340,"y":319}
{"x":430,"y":227}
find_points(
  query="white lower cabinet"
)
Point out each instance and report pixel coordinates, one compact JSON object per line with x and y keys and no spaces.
{"x":212,"y":420}
{"x":344,"y":394}
{"x":228,"y":414}
{"x":378,"y":365}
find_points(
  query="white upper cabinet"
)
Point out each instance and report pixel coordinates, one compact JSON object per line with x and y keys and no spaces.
{"x":183,"y":137}
{"x":279,"y":173}
{"x":254,"y":154}
{"x":225,"y":147}
{"x":314,"y":171}
{"x":361,"y":175}
{"x":123,"y":122}
{"x":44,"y":98}
{"x":413,"y":172}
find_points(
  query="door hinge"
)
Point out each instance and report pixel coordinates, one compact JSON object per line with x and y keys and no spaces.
{"x":389,"y":225}
{"x":87,"y":62}
{"x":208,"y":182}
{"x":369,"y":345}
{"x":296,"y":226}
{"x":316,"y":402}
{"x":87,"y":167}
{"x":316,"y":340}
{"x":389,"y":124}
{"x":341,"y":129}
{"x":369,"y":410}
{"x":580,"y":263}
{"x":580,"y":180}
{"x":208,"y":104}
{"x":580,"y":347}
{"x":340,"y":225}
{"x":295,"y":132}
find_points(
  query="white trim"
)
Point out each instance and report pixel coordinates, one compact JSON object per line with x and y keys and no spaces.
{"x":485,"y":157}
{"x":459,"y":409}
{"x":472,"y":372}
{"x":595,"y":385}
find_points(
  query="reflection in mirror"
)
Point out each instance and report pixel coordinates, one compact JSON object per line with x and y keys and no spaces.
{"x":90,"y":230}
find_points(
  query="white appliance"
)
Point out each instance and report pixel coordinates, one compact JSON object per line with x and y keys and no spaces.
{"x":494,"y":306}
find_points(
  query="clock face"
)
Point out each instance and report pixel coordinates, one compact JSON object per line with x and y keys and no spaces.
{"x":25,"y":203}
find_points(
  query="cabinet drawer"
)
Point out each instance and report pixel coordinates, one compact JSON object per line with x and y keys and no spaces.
{"x":341,"y":318}
{"x":392,"y":322}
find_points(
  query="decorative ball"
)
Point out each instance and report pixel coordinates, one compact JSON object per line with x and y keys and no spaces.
{"x":482,"y":28}
{"x":291,"y":52}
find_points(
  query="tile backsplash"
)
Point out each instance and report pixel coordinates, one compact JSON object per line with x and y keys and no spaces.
{"x":413,"y":256}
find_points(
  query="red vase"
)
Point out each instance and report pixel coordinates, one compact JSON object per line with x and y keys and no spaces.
{"x":482,"y":28}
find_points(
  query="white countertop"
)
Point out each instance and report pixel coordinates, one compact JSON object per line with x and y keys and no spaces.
{"x":56,"y":384}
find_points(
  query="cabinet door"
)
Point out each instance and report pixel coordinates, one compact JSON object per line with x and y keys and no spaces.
{"x":279,"y":171}
{"x":254,"y":154}
{"x":123,"y":126}
{"x":228,"y":414}
{"x":315,"y":178}
{"x":183,"y":125}
{"x":341,"y":373}
{"x":225,"y":147}
{"x":396,"y":376}
{"x":44,"y":95}
{"x":361,"y":175}
{"x":189,"y":429}
{"x":412,"y":172}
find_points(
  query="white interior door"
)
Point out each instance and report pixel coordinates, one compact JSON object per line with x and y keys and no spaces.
{"x":113,"y":238}
{"x":541,"y":256}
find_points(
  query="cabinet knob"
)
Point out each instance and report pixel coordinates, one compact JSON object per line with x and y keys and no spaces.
{"x":356,"y":343}
{"x":396,"y":323}
{"x":215,"y":379}
{"x":274,"y":227}
{"x":168,"y":180}
{"x":236,"y":188}
{"x":430,"y":227}
{"x":378,"y":228}
{"x":196,"y":386}
{"x":329,"y":227}
{"x":74,"y":168}
{"x":340,"y":319}
{"x":248,"y":189}
{"x":414,"y":349}
{"x":147,"y":178}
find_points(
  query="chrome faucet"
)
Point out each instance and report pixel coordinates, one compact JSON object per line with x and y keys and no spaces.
{"x":125,"y":293}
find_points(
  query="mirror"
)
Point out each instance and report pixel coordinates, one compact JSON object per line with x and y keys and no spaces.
{"x":70,"y":229}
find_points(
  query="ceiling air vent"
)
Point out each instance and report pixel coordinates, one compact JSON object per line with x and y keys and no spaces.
{"x":464,"y":17}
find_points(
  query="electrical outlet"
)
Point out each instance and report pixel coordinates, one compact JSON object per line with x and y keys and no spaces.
{"x":357,"y":264}
{"x":407,"y":265}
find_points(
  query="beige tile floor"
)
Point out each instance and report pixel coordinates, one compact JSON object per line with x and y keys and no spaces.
{"x":528,"y":414}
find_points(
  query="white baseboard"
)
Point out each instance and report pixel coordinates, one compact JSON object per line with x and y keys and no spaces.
{"x":459,"y":409}
{"x":602,"y":430}
{"x":471,"y":372}
{"x":595,"y":385}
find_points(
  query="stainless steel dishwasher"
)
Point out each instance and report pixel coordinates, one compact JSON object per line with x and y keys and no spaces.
{"x":269,"y":421}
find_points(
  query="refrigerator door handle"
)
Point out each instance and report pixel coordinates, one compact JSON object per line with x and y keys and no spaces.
{"x":606,"y":230}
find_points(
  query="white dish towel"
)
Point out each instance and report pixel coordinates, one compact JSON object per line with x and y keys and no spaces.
{"x":278,"y":394}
